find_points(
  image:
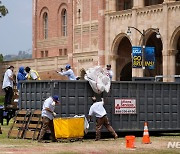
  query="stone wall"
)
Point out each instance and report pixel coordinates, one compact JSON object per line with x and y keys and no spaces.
{"x":46,"y":68}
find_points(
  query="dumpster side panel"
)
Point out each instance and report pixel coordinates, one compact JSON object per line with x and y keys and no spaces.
{"x":156,"y":103}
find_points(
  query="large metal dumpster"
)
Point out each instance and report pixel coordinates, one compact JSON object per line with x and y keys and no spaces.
{"x":156,"y":103}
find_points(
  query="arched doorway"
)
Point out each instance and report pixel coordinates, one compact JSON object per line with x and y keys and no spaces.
{"x":178,"y":57}
{"x":126,"y":73}
{"x":153,"y":41}
{"x":123,"y":62}
{"x":175,"y":50}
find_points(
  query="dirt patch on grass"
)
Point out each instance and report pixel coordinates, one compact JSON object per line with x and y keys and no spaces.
{"x":90,"y":146}
{"x":87,"y":146}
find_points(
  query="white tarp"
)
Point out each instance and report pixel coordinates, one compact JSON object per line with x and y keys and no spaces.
{"x":98,"y":79}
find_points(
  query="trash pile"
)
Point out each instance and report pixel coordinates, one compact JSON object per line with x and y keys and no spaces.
{"x":98,"y":79}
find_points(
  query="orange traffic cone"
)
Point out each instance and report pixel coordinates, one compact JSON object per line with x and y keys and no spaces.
{"x":146,"y":138}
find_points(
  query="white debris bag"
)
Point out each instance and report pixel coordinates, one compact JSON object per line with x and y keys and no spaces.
{"x":98,"y":79}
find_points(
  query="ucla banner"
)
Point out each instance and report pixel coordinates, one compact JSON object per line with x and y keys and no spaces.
{"x":136,"y":57}
{"x":149,"y":55}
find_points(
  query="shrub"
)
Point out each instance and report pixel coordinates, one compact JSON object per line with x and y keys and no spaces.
{"x":1,"y":100}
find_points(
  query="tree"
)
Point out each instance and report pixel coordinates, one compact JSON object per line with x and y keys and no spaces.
{"x":1,"y":57}
{"x":3,"y":10}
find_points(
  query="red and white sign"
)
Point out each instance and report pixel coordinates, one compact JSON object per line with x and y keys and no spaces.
{"x":125,"y":106}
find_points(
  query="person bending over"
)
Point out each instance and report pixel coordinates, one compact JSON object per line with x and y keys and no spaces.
{"x":98,"y":110}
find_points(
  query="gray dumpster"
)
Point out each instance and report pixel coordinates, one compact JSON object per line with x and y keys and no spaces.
{"x":157,"y":103}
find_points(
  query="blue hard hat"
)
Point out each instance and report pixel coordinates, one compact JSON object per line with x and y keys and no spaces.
{"x":55,"y":98}
{"x":68,"y":66}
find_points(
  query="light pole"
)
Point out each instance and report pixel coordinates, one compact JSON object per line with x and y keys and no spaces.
{"x":143,"y":42}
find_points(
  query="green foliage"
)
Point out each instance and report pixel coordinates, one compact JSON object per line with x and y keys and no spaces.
{"x":1,"y":100}
{"x":3,"y":10}
{"x":1,"y":57}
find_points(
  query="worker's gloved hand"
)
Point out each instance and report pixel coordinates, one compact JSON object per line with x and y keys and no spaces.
{"x":26,"y":76}
{"x":54,"y":114}
{"x":102,"y":99}
{"x":57,"y":71}
{"x":61,"y":69}
{"x":53,"y":103}
{"x":78,"y":78}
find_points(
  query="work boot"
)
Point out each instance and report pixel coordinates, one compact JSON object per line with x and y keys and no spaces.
{"x":43,"y":141}
{"x":54,"y":140}
{"x":40,"y":141}
{"x":116,"y":136}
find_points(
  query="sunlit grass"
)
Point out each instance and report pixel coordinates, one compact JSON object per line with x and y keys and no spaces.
{"x":1,"y":100}
{"x":90,"y":144}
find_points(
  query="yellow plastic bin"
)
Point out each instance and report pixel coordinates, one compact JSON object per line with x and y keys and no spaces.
{"x":71,"y":127}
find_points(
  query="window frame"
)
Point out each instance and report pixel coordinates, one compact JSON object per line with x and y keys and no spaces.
{"x":64,"y":22}
{"x":45,"y":25}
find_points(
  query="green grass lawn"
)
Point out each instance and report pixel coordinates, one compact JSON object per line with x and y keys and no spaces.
{"x":158,"y":146}
{"x":1,"y":100}
{"x":108,"y":145}
{"x":5,"y":128}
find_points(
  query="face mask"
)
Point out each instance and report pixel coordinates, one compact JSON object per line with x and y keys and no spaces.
{"x":53,"y":103}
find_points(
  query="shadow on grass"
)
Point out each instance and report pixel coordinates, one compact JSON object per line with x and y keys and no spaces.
{"x":106,"y":135}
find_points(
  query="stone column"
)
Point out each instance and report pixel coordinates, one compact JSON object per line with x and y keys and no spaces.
{"x":172,"y":65}
{"x":113,"y":59}
{"x":138,"y":4}
{"x":107,"y":39}
{"x":165,"y":66}
{"x":101,"y":32}
{"x":35,"y":64}
{"x":112,"y":6}
{"x":136,"y":72}
{"x":164,"y":31}
{"x":34,"y":16}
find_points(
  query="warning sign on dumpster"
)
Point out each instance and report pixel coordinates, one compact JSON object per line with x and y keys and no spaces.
{"x":125,"y":106}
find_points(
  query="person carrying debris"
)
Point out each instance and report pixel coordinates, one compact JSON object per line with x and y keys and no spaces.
{"x":98,"y":110}
{"x":32,"y":74}
{"x":68,"y":72}
{"x":47,"y":117}
{"x":8,"y":86}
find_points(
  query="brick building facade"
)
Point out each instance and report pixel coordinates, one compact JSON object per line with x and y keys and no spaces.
{"x":94,"y":32}
{"x":71,"y":29}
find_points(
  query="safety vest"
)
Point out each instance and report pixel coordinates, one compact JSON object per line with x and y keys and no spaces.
{"x":29,"y":75}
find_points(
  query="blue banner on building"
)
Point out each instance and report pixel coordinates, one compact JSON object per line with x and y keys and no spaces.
{"x":149,"y":55}
{"x":136,"y":57}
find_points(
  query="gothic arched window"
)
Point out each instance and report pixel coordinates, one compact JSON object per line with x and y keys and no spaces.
{"x":64,"y":22}
{"x":45,"y":25}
